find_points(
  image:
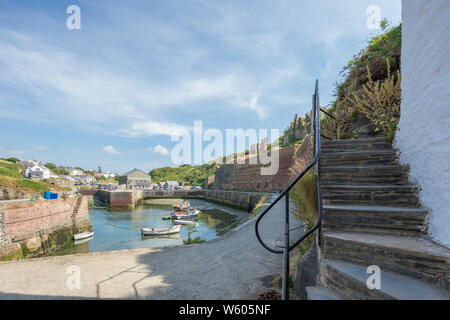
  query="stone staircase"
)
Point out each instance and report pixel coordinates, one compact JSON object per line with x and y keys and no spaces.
{"x":372,"y":216}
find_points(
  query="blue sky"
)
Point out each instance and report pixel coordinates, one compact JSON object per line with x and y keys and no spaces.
{"x":113,"y":92}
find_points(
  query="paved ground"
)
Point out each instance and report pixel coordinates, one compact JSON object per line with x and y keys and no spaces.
{"x":232,"y":267}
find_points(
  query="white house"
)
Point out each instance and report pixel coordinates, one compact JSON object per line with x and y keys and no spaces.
{"x":108,"y":174}
{"x":75,"y":171}
{"x":423,"y":135}
{"x":37,"y":172}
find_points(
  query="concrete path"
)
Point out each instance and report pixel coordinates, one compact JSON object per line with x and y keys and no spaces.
{"x":234,"y":266}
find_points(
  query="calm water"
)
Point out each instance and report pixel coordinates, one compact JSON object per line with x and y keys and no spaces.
{"x":116,"y":229}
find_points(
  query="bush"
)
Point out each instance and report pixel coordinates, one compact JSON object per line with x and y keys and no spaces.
{"x":380,"y":101}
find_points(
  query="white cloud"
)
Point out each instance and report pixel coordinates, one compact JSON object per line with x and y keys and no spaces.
{"x":111,"y":150}
{"x":154,"y":128}
{"x":39,"y":148}
{"x":159,"y":149}
{"x":256,"y":107}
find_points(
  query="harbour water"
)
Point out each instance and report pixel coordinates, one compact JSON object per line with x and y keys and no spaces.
{"x":119,"y":229}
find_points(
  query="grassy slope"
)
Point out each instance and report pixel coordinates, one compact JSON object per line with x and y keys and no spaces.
{"x":191,"y":175}
{"x":11,"y":177}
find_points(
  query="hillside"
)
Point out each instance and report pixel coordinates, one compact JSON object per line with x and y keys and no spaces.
{"x":14,"y":186}
{"x":368,"y":99}
{"x":191,"y":175}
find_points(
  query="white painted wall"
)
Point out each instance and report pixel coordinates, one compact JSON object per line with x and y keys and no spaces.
{"x":423,"y":137}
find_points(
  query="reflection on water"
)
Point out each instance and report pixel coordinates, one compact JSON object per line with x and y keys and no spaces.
{"x":118,"y":229}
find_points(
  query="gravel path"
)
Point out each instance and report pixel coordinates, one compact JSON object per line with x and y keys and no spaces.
{"x":234,"y":266}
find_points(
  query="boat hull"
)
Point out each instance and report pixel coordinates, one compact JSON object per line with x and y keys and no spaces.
{"x":160,"y":231}
{"x":84,"y":235}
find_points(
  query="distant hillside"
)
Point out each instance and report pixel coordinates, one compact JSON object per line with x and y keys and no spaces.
{"x":13,"y":185}
{"x":191,"y":175}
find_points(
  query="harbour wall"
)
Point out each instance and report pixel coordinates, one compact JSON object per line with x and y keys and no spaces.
{"x":129,"y":198}
{"x":36,"y":227}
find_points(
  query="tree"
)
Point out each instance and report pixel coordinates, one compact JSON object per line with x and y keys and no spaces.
{"x":50,"y":165}
{"x":13,"y":160}
{"x":99,"y":169}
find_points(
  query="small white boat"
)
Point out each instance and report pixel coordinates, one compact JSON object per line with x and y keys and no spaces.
{"x":160,"y":231}
{"x":185,"y":222}
{"x":84,"y":235}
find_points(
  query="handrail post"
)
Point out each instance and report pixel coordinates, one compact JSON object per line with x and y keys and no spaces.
{"x":285,"y":283}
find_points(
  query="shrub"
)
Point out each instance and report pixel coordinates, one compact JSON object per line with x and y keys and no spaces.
{"x":380,"y":101}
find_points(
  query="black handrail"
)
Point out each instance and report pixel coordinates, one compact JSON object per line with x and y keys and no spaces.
{"x":316,"y":161}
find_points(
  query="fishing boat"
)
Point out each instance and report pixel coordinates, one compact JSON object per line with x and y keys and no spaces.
{"x":160,"y":231}
{"x":184,"y":206}
{"x":186,"y":222}
{"x":191,"y":214}
{"x":84,"y":235}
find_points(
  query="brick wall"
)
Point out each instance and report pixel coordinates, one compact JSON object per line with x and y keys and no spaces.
{"x":26,"y":219}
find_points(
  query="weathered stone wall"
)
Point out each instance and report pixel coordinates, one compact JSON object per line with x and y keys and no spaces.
{"x":28,"y":219}
{"x":244,"y":200}
{"x":124,"y":198}
{"x":247,"y":177}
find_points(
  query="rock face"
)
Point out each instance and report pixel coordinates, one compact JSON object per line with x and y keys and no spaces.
{"x":8,"y":193}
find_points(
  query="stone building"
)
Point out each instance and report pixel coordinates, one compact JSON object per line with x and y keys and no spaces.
{"x":135,"y":179}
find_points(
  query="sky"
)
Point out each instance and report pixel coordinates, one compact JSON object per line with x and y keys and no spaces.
{"x":114,"y":91}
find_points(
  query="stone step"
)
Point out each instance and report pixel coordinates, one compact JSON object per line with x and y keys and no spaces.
{"x":350,"y":281}
{"x":373,"y":219}
{"x":364,"y":175}
{"x":355,"y":145}
{"x":360,"y":158}
{"x":378,"y":195}
{"x":416,"y":257}
{"x":322,"y":293}
{"x":353,"y":141}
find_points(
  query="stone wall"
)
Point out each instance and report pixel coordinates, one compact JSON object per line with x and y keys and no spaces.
{"x":243,"y":200}
{"x":423,"y":133}
{"x":27,"y":219}
{"x":247,"y":177}
{"x":124,"y":198}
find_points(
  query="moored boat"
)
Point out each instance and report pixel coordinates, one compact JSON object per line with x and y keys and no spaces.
{"x":186,"y":222}
{"x":83,"y":235}
{"x":191,"y":214}
{"x":160,"y":231}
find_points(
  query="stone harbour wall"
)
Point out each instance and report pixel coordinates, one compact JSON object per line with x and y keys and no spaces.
{"x":43,"y":224}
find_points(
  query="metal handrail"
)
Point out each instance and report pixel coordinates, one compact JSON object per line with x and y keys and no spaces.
{"x":316,"y":161}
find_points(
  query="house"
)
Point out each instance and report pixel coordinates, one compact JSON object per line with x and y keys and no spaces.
{"x":75,"y":171}
{"x":135,"y":179}
{"x":108,"y":175}
{"x":38,"y":172}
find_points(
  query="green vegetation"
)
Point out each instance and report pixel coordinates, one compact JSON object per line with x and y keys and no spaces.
{"x":191,"y":175}
{"x":368,"y":100}
{"x":11,"y":177}
{"x":193,"y":241}
{"x":258,"y":207}
{"x":304,"y":195}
